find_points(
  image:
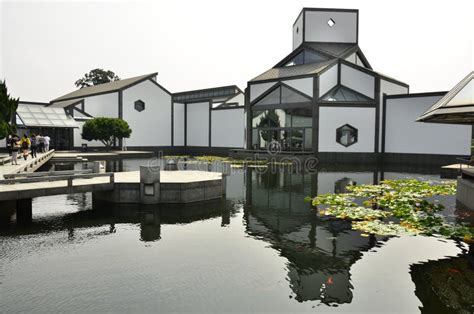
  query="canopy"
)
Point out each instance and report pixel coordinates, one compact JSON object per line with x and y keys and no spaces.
{"x":43,"y":117}
{"x":457,"y":106}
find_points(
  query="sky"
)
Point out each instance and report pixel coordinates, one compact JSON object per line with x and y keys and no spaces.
{"x":45,"y":46}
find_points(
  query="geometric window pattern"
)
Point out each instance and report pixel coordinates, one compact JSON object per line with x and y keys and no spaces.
{"x":41,"y":116}
{"x":139,"y":105}
{"x":305,"y":57}
{"x":344,"y":94}
{"x":346,"y":135}
{"x":282,"y":95}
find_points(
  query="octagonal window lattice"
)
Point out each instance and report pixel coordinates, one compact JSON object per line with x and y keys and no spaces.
{"x":139,"y":105}
{"x":346,"y":135}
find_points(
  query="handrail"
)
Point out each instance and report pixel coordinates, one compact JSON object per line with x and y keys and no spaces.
{"x":69,"y":178}
{"x":45,"y":174}
{"x":35,"y":161}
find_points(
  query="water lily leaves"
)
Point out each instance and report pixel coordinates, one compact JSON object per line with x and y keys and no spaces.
{"x":405,"y":200}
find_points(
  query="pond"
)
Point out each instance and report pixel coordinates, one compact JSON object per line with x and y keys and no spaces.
{"x":261,"y":249}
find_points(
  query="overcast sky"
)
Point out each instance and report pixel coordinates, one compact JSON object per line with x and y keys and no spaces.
{"x":46,"y":46}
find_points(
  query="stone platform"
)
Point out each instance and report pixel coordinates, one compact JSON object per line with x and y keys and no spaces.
{"x":155,"y":187}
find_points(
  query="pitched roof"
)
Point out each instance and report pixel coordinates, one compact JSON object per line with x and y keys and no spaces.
{"x":457,"y":106}
{"x":295,"y":70}
{"x":66,"y":103}
{"x":104,"y":88}
{"x":333,"y":49}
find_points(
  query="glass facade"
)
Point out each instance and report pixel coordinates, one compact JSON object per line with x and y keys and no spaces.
{"x":291,"y":129}
{"x":306,"y":56}
{"x":343,"y":94}
{"x":282,"y":95}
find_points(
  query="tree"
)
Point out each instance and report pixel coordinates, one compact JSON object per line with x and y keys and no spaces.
{"x":96,"y":77}
{"x":8,"y":107}
{"x":105,"y":130}
{"x":270,"y":119}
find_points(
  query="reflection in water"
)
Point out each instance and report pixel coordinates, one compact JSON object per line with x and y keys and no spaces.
{"x":319,"y":253}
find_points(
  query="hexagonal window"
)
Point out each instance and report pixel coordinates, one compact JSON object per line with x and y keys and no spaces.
{"x":139,"y":105}
{"x":346,"y":135}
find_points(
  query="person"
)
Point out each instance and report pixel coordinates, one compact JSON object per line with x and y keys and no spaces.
{"x":25,"y":144}
{"x":46,"y":139}
{"x":34,"y":145}
{"x":40,"y":141}
{"x":15,"y":148}
{"x":9,"y":144}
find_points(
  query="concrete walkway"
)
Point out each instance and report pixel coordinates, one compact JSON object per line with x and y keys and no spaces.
{"x":8,"y":168}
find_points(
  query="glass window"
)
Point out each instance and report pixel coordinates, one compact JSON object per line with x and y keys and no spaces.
{"x":346,"y":135}
{"x":305,"y":57}
{"x":282,"y":95}
{"x":342,"y":93}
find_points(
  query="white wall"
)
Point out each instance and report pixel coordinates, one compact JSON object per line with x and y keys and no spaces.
{"x":404,"y":135}
{"x":152,"y":126}
{"x":327,"y":80}
{"x":298,"y":31}
{"x":258,"y":89}
{"x":331,"y":118}
{"x":304,"y":85}
{"x":358,"y":80}
{"x":178,"y":124}
{"x":198,"y":124}
{"x":105,"y":105}
{"x":317,"y":29}
{"x":228,"y":128}
{"x":239,"y":98}
{"x":388,"y":88}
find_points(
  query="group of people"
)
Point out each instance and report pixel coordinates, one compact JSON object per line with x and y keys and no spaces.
{"x":34,"y":143}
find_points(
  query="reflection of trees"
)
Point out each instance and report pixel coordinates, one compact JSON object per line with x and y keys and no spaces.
{"x":270,"y":119}
{"x":444,"y":286}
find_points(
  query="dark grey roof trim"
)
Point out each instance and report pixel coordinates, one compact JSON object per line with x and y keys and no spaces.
{"x":33,"y":103}
{"x":364,"y":59}
{"x":160,"y":86}
{"x":83,"y":112}
{"x":414,"y":95}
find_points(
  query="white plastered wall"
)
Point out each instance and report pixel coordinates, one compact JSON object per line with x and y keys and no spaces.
{"x":404,"y":135}
{"x":388,"y":88}
{"x":258,"y":89}
{"x":239,"y":98}
{"x":317,"y":29}
{"x":105,"y":105}
{"x":304,"y":85}
{"x":198,"y":124}
{"x":228,"y":128}
{"x":298,"y":32}
{"x":331,"y":118}
{"x":152,"y":126}
{"x":178,"y":117}
{"x":327,"y":80}
{"x":358,"y":80}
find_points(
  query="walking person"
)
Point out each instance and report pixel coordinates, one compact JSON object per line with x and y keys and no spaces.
{"x":47,"y":139}
{"x":15,"y":149}
{"x":34,"y":145}
{"x":9,"y":144}
{"x":25,"y":144}
{"x":40,"y":141}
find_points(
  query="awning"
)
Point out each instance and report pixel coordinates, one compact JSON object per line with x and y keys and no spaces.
{"x":457,"y":106}
{"x":43,"y":117}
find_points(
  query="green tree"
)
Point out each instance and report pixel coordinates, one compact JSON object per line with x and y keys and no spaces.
{"x":270,"y":119}
{"x":96,"y":77}
{"x":8,"y":106}
{"x":105,"y":130}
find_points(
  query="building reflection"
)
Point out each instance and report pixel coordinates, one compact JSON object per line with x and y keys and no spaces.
{"x":93,"y":215}
{"x":320,"y":251}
